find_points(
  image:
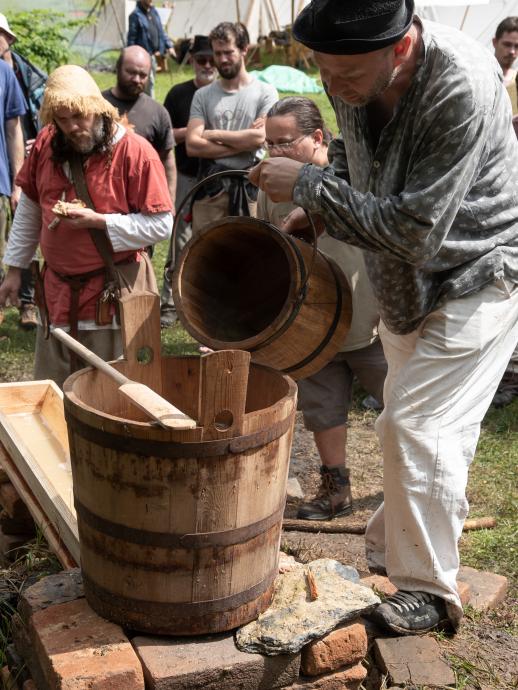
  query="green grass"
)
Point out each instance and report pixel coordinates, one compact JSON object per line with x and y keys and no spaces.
{"x":493,"y":492}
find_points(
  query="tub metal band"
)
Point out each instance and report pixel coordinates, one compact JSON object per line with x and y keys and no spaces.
{"x":166,"y":611}
{"x":167,"y":540}
{"x":176,"y":449}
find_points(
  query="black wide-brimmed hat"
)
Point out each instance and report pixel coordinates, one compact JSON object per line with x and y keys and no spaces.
{"x":201,"y":46}
{"x":351,"y":27}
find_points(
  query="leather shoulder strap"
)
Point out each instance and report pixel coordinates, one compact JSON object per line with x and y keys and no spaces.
{"x":99,"y":238}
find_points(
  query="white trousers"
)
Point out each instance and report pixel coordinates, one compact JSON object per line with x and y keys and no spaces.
{"x":440,"y":382}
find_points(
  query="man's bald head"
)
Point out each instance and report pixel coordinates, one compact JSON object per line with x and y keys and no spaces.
{"x":133,"y":68}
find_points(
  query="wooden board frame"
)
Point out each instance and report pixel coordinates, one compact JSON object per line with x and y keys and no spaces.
{"x":31,"y":475}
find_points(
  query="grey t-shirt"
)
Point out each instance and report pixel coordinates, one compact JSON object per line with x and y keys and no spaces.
{"x":233,"y":111}
{"x":435,"y":205}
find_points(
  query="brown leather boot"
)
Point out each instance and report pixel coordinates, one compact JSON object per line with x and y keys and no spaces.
{"x":333,"y":498}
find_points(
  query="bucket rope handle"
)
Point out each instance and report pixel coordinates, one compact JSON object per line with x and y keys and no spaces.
{"x":242,"y":173}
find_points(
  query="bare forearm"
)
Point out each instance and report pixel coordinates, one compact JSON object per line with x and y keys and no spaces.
{"x":241,"y":140}
{"x":202,"y":148}
{"x":179,"y":134}
{"x":15,"y":148}
{"x":170,"y":172}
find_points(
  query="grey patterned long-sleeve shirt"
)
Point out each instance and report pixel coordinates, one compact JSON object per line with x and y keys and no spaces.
{"x":435,"y":205}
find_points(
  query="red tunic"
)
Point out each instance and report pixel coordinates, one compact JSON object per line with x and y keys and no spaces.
{"x":134,"y":182}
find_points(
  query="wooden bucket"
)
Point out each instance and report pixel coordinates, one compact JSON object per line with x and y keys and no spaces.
{"x":180,"y":529}
{"x":241,"y":283}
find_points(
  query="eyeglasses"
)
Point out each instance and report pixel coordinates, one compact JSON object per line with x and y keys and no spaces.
{"x":204,"y":59}
{"x":285,"y":146}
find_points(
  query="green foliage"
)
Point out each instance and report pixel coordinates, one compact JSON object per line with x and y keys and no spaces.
{"x":43,"y":36}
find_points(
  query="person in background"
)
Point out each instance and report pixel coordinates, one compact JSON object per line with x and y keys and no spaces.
{"x":145,"y":30}
{"x":178,"y":104}
{"x":147,"y":117}
{"x":295,"y":129}
{"x":127,"y":207}
{"x":32,"y":83}
{"x":424,"y":181}
{"x":226,"y":127}
{"x":505,"y":43}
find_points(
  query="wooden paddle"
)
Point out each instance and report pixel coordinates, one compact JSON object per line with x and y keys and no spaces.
{"x":159,"y":409}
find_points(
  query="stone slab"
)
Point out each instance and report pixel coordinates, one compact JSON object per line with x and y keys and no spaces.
{"x":413,"y":661}
{"x":309,"y":601}
{"x":347,"y":679}
{"x":487,"y":589}
{"x":212,"y":663}
{"x":79,"y":650}
{"x":53,"y":589}
{"x":343,"y":646}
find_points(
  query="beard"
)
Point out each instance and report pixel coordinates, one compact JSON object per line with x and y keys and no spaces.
{"x":230,"y":71}
{"x":87,"y":143}
{"x":381,"y":84}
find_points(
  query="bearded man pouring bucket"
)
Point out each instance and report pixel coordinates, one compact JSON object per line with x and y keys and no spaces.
{"x":424,"y":181}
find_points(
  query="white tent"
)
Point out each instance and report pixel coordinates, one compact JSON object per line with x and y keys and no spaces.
{"x":185,"y":18}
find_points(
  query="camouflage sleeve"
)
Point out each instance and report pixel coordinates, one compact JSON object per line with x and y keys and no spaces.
{"x":338,"y":158}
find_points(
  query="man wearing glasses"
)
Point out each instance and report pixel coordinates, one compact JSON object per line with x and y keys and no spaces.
{"x":226,"y":127}
{"x":178,"y":105}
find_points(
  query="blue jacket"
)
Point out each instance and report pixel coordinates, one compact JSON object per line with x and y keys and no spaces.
{"x":138,"y":31}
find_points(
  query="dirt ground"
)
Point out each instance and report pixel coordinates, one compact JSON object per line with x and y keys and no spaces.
{"x":483,"y":654}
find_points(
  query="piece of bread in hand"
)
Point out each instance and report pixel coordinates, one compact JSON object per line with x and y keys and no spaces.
{"x":64,"y":208}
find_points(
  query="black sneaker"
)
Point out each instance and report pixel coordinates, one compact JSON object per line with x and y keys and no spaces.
{"x":411,"y":613}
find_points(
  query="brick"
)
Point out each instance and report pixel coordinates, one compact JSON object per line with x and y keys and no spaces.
{"x":380,"y":584}
{"x":464,"y":590}
{"x":12,"y":503}
{"x":341,"y":647}
{"x":487,"y":589}
{"x":413,"y":661}
{"x":24,"y":647}
{"x":77,"y":649}
{"x":212,"y":663}
{"x":16,"y":664}
{"x":53,"y":589}
{"x":348,"y":679}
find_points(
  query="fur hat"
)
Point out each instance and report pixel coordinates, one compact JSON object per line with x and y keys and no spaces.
{"x":351,"y":27}
{"x":70,"y":86}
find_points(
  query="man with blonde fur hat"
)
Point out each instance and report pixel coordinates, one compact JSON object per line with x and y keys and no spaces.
{"x":84,"y":153}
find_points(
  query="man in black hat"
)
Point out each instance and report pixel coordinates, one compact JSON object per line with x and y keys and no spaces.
{"x":424,"y":180}
{"x":178,"y":104}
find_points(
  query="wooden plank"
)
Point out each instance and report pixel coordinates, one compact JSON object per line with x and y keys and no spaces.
{"x":44,"y":464}
{"x":140,"y":330}
{"x":223,"y":386}
{"x":49,"y":532}
{"x":23,"y":396}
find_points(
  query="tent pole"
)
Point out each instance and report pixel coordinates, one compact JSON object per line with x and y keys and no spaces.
{"x":238,"y":14}
{"x":249,"y":13}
